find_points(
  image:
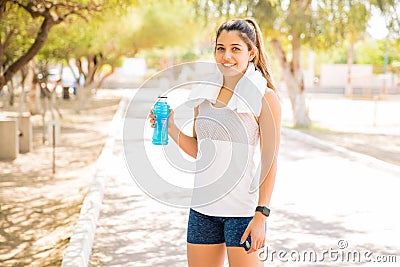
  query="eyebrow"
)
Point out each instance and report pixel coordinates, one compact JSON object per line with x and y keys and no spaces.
{"x":230,"y":44}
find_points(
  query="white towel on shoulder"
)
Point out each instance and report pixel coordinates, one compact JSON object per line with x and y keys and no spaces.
{"x":247,"y":95}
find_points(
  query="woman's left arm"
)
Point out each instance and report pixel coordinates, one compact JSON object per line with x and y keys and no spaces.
{"x":270,"y":131}
{"x":270,"y":123}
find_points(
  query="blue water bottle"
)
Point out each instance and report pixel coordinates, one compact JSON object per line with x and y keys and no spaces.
{"x":161,"y":113}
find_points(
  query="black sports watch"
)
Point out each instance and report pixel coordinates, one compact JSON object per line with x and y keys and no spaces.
{"x":264,"y":210}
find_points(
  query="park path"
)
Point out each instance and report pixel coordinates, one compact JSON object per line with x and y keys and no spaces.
{"x":326,"y":200}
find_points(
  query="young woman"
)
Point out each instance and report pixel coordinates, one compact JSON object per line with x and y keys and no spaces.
{"x":237,"y":115}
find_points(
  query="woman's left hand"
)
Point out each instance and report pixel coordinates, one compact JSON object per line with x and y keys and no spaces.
{"x":256,"y":229}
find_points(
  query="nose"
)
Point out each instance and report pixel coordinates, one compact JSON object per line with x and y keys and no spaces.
{"x":227,"y":55}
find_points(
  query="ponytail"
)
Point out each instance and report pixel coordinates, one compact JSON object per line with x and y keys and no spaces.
{"x":261,"y":60}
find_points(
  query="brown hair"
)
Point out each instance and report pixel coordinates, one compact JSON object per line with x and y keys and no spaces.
{"x":250,"y":33}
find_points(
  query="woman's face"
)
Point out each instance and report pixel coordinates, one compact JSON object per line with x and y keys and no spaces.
{"x":232,"y":54}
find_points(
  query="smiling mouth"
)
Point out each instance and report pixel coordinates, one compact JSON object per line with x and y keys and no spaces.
{"x":230,"y":65}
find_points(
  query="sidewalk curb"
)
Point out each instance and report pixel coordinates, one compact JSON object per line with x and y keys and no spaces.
{"x":365,"y":159}
{"x":80,"y":246}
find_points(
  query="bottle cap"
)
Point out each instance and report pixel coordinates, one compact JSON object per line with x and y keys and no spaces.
{"x":162,"y":98}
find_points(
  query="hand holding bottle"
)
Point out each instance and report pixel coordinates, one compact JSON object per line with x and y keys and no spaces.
{"x":160,"y":117}
{"x":171,"y":121}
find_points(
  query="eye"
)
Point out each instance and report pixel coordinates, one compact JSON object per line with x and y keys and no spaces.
{"x":220,"y":48}
{"x":236,"y":49}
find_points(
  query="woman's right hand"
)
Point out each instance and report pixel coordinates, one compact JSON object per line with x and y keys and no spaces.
{"x":187,"y":143}
{"x":151,"y":116}
{"x":171,"y":121}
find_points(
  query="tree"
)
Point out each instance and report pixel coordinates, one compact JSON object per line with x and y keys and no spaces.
{"x":358,"y":15}
{"x":92,"y":47}
{"x":42,"y":15}
{"x":390,"y":9}
{"x":298,"y":18}
{"x":98,"y":46}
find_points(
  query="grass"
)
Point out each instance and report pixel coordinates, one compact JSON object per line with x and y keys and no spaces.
{"x":312,"y":128}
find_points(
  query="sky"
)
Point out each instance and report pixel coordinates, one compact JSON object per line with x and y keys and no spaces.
{"x":376,"y":26}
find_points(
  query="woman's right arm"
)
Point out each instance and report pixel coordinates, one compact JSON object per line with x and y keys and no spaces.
{"x":185,"y":142}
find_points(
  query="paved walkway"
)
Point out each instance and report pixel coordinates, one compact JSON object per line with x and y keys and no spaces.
{"x":328,"y":203}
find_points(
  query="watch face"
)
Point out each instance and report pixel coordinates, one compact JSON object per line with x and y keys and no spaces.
{"x":266,"y":211}
{"x":263,"y":210}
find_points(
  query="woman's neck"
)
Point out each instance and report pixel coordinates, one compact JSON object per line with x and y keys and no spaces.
{"x":231,"y":81}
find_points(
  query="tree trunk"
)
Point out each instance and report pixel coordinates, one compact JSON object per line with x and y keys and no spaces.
{"x":11,"y":93}
{"x":44,"y":110}
{"x":100,"y":83}
{"x":33,"y":99}
{"x":22,"y":99}
{"x":91,"y":70}
{"x":40,"y":40}
{"x":2,"y":9}
{"x":350,"y":60}
{"x":293,"y":76}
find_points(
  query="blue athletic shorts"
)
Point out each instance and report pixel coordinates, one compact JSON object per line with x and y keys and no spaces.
{"x":204,"y":229}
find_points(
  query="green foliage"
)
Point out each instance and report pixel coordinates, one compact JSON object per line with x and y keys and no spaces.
{"x":338,"y":21}
{"x":366,"y":51}
{"x":317,"y":24}
{"x":118,"y":28}
{"x":138,"y":27}
{"x":18,"y":29}
{"x":25,"y":25}
{"x":118,"y":33}
{"x":161,"y":29}
{"x":370,"y":52}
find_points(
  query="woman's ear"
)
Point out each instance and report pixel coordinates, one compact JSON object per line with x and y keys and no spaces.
{"x":252,"y":55}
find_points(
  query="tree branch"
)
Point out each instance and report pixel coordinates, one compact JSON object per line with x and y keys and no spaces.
{"x":5,"y":43}
{"x":100,"y":83}
{"x":29,"y":8}
{"x":2,"y":9}
{"x":279,"y":53}
{"x":74,"y":9}
{"x":33,"y":50}
{"x":53,"y":13}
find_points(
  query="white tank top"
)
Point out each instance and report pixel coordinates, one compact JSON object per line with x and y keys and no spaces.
{"x":226,"y":183}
